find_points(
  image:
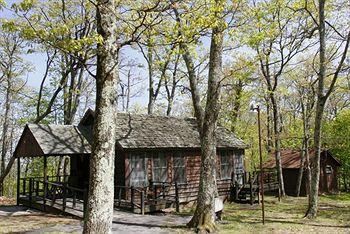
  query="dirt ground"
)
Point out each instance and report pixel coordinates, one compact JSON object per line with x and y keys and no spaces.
{"x":19,"y":219}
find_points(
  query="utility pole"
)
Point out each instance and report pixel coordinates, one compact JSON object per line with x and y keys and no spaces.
{"x":261,"y":166}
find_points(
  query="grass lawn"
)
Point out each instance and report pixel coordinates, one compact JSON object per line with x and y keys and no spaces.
{"x":287,"y":216}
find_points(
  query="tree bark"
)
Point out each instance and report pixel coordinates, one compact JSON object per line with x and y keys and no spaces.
{"x":204,"y":215}
{"x":99,"y":214}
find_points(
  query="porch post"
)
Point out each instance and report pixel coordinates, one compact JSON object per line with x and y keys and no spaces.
{"x":18,"y":178}
{"x":45,"y":182}
{"x":45,"y":168}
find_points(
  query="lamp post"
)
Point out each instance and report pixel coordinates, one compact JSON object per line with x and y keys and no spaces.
{"x":261,"y":166}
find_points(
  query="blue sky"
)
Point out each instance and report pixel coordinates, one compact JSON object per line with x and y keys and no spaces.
{"x":36,"y":59}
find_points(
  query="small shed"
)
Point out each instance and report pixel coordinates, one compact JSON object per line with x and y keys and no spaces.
{"x":291,"y":162}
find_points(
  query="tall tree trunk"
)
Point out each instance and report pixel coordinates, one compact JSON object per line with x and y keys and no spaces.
{"x":192,"y":77}
{"x":151,"y":97}
{"x":268,"y":124}
{"x":5,"y":128}
{"x":313,"y":197}
{"x":99,"y":214}
{"x":196,"y":100}
{"x":171,"y":92}
{"x":308,"y":168}
{"x":344,"y":181}
{"x":305,"y":160}
{"x":204,"y":215}
{"x":301,"y":170}
{"x":277,"y":142}
{"x":236,"y":104}
{"x":315,"y":164}
{"x":128,"y":92}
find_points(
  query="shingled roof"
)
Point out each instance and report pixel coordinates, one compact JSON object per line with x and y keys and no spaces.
{"x":290,"y":158}
{"x":40,"y":139}
{"x":151,"y":132}
{"x":133,"y":132}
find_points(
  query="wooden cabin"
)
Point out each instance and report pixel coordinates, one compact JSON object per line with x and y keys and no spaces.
{"x":291,"y":162}
{"x":157,"y":157}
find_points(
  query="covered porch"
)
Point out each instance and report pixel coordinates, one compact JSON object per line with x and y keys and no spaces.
{"x":66,"y":193}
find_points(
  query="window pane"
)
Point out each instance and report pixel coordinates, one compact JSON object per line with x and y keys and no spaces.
{"x":160,"y":168}
{"x":138,"y":176}
{"x":179,"y":168}
{"x":226,"y":165}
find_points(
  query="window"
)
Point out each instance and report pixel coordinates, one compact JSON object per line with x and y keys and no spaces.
{"x":179,"y":168}
{"x":328,"y":169}
{"x":160,"y":168}
{"x":225,"y":165}
{"x":138,"y":177}
{"x":239,"y":168}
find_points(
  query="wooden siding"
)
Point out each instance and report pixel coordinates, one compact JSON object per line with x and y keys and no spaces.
{"x":328,"y":181}
{"x":189,"y":190}
{"x":27,"y":145}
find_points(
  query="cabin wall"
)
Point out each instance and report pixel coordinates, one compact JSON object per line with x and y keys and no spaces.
{"x":188,"y":190}
{"x":328,"y":178}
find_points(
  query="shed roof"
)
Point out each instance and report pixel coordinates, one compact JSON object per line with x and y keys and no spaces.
{"x":133,"y":132}
{"x":290,"y":158}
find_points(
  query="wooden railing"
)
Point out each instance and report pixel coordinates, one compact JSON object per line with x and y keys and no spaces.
{"x":129,"y":197}
{"x":53,"y":194}
{"x":251,"y":181}
{"x":138,"y":197}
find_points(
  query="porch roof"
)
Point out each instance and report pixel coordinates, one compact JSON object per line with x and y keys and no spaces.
{"x":52,"y":140}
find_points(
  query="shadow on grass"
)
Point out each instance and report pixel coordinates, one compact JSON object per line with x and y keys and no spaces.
{"x":150,"y":225}
{"x":11,"y":212}
{"x":243,"y":219}
{"x":307,"y":224}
